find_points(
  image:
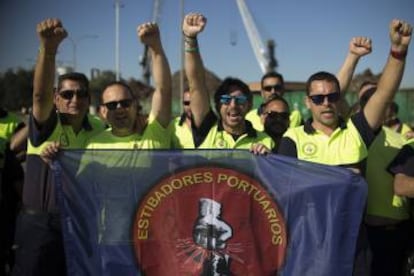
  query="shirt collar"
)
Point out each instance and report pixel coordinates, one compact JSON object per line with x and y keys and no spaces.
{"x":85,"y":123}
{"x":309,"y":129}
{"x":182,"y":119}
{"x":250,"y":130}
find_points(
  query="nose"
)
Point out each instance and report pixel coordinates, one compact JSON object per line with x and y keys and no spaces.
{"x":76,"y":97}
{"x":233,"y":102}
{"x":325,"y":100}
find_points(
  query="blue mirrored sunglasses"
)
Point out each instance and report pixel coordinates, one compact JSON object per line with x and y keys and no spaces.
{"x":226,"y":99}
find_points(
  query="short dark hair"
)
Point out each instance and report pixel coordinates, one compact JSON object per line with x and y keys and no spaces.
{"x":272,"y":98}
{"x":229,"y":85}
{"x":120,"y":83}
{"x":74,"y":76}
{"x":322,"y":76}
{"x":365,"y":83}
{"x":394,"y":107}
{"x":273,"y":75}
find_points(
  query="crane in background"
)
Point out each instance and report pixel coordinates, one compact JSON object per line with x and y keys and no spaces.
{"x":145,"y":60}
{"x":264,"y":55}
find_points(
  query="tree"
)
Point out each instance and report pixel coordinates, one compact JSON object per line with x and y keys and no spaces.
{"x":16,"y":89}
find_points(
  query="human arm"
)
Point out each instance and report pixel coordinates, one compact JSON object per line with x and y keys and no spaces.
{"x":402,"y":168}
{"x":287,"y":147}
{"x":409,"y":135}
{"x":403,"y":185}
{"x":51,"y":33}
{"x":18,"y":141}
{"x":193,"y":24}
{"x":149,"y":34}
{"x":359,"y":46}
{"x":400,"y":36}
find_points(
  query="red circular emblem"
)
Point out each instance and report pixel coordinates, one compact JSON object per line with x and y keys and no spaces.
{"x":209,"y":221}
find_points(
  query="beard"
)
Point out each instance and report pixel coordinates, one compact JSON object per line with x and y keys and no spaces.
{"x":275,"y":126}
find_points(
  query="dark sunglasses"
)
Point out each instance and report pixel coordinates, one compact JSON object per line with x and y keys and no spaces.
{"x":68,"y":94}
{"x":320,"y":99}
{"x":114,"y":105}
{"x":186,"y":102}
{"x":276,"y":87}
{"x":226,"y":99}
{"x":284,"y":115}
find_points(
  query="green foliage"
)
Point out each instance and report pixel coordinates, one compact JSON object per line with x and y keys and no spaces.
{"x":16,"y":89}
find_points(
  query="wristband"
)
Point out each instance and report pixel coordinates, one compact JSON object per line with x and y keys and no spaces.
{"x":189,"y":50}
{"x":189,"y":37}
{"x":398,"y":55}
{"x":193,"y":44}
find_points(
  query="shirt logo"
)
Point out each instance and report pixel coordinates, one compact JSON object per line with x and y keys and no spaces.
{"x":221,"y":144}
{"x":309,"y":149}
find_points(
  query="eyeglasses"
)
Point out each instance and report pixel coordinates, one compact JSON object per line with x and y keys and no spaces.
{"x":320,"y":99}
{"x":68,"y":94}
{"x":276,"y":87}
{"x":226,"y":99}
{"x":114,"y":105}
{"x":186,"y":102}
{"x":284,"y":115}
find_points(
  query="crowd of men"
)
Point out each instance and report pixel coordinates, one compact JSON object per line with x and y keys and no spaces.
{"x":369,"y":140}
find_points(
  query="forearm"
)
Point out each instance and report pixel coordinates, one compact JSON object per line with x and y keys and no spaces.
{"x":43,"y":82}
{"x":18,"y":141}
{"x":387,"y":87}
{"x":195,"y":72}
{"x":344,"y":77}
{"x":393,"y":73}
{"x":346,"y":71}
{"x":403,"y":185}
{"x":161,"y":103}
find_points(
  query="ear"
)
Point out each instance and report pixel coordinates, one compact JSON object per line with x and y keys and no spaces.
{"x":262,"y":119}
{"x":103,"y":112}
{"x":55,"y":96}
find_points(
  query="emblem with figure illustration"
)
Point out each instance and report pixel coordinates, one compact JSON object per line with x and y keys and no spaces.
{"x":209,"y":221}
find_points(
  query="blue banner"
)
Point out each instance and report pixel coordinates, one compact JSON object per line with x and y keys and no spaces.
{"x":206,"y":212}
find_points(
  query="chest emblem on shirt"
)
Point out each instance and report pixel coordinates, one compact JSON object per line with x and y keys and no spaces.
{"x":221,"y":144}
{"x":309,"y":149}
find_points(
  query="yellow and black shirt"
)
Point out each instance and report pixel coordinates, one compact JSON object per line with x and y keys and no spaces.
{"x":346,"y":146}
{"x":38,"y":190}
